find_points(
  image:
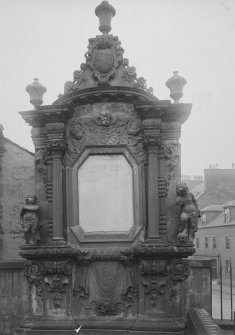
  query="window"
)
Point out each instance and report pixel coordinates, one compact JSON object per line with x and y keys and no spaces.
{"x":203,"y":219}
{"x":214,"y":242}
{"x":206,"y":242}
{"x":197,"y":242}
{"x":227,"y":266}
{"x":227,"y":215}
{"x":227,"y":242}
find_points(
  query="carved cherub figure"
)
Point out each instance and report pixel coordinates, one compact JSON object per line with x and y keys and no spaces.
{"x":29,"y":217}
{"x":105,"y":118}
{"x":189,"y":212}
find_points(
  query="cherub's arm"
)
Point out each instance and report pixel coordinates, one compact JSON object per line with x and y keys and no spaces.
{"x":178,"y":201}
{"x":196,"y":204}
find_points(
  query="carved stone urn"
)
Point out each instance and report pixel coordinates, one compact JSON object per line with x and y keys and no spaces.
{"x":107,"y":164}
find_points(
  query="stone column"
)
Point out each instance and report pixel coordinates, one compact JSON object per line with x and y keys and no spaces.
{"x":152,"y":137}
{"x":56,"y":146}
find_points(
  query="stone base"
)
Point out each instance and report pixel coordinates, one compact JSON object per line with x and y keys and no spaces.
{"x":108,"y":325}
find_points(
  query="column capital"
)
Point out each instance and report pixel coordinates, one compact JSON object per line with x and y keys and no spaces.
{"x":151,"y":129}
{"x":39,"y":137}
{"x":170,"y":131}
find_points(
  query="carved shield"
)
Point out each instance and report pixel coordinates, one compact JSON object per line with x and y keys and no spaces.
{"x":104,"y":60}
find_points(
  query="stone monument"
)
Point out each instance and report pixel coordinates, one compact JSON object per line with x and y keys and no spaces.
{"x":116,"y":228}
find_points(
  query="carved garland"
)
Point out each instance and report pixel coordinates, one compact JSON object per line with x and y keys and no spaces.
{"x":171,"y":157}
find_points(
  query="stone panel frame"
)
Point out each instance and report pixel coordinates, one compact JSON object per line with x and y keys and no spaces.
{"x":71,"y":198}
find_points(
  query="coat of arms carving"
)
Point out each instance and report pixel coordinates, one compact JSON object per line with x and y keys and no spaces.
{"x":103,"y":57}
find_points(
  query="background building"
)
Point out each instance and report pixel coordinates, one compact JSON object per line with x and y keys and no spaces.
{"x":215,"y":238}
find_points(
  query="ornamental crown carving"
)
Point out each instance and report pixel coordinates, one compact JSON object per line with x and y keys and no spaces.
{"x":104,"y":62}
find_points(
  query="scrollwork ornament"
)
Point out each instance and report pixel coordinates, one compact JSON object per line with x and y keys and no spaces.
{"x":154,"y":267}
{"x":34,"y":274}
{"x":179,"y":270}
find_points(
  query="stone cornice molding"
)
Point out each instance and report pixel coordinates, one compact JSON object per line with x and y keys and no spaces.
{"x":123,"y":254}
{"x":47,"y":114}
{"x":99,"y":94}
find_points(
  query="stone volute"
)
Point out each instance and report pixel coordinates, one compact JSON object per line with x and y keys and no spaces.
{"x":97,"y":257}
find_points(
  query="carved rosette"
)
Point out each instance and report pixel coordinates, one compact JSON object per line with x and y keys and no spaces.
{"x":179,"y":270}
{"x":102,"y":124}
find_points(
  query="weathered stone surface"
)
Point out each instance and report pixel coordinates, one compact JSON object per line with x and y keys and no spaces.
{"x":14,"y":296}
{"x":17,"y":182}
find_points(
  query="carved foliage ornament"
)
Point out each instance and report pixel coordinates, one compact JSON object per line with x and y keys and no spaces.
{"x":156,"y":273}
{"x":104,"y":124}
{"x":154,"y":277}
{"x":172,"y":154}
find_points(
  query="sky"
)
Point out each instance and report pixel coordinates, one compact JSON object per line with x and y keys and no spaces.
{"x":47,"y":39}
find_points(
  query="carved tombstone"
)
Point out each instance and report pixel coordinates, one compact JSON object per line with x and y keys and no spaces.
{"x":108,"y":154}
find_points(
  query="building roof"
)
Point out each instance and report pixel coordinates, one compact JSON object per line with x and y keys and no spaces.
{"x":213,"y":208}
{"x":199,"y":190}
{"x":218,"y":222}
{"x":17,"y":145}
{"x":230,"y":204}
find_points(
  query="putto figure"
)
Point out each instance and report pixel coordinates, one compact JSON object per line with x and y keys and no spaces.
{"x":189,"y":212}
{"x":29,"y":217}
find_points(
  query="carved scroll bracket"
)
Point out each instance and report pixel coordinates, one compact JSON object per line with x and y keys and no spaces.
{"x":54,"y":273}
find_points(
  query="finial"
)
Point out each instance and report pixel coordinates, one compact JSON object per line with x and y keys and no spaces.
{"x":176,"y":84}
{"x":36,"y":91}
{"x":105,"y":12}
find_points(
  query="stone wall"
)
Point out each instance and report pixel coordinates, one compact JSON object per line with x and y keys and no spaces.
{"x":14,"y":296}
{"x":198,"y":287}
{"x":16,"y":182}
{"x":15,"y":292}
